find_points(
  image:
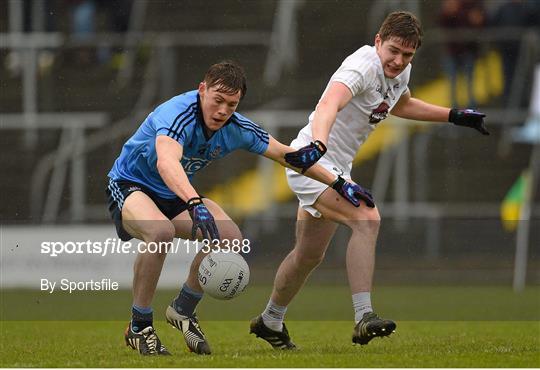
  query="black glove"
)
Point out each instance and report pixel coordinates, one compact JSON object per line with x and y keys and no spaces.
{"x":468,"y":118}
{"x":306,"y":156}
{"x":352,"y":192}
{"x":202,"y":219}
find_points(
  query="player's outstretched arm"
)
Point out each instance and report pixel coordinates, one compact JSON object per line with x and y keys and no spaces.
{"x":334,"y":99}
{"x":277,"y":151}
{"x":416,"y":109}
{"x":169,"y":154}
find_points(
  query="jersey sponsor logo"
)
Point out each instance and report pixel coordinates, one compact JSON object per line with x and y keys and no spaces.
{"x":379,"y":113}
{"x":192,"y":165}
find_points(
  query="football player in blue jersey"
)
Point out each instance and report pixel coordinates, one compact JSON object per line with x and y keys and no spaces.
{"x":151,"y":198}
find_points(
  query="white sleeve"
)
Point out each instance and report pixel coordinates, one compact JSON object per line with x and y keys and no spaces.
{"x":351,"y":78}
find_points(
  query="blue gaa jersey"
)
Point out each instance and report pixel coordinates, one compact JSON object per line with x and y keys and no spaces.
{"x":180,"y":118}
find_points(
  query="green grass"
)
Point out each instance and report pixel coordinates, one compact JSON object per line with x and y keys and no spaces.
{"x":322,"y":344}
{"x":438,"y":326}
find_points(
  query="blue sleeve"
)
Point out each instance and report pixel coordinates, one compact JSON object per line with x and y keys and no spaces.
{"x":175,"y":120}
{"x":253,"y":137}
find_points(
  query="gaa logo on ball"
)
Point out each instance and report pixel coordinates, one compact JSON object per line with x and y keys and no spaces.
{"x":223,"y":275}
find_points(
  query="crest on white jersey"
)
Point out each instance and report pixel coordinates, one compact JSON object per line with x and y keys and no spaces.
{"x":379,"y":113}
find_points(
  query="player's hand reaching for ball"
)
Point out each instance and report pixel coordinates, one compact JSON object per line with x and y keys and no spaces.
{"x":306,"y":156}
{"x":468,"y":118}
{"x":202,"y":219}
{"x":354,"y":193}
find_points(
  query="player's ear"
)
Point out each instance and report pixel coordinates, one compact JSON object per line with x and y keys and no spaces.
{"x":378,"y":41}
{"x":202,"y":88}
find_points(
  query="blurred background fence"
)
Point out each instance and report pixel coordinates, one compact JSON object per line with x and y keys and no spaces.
{"x":78,"y":77}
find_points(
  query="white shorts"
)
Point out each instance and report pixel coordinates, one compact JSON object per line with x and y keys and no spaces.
{"x":308,"y":190}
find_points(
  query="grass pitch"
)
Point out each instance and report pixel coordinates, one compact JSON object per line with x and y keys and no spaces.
{"x":437,"y":327}
{"x":322,"y":344}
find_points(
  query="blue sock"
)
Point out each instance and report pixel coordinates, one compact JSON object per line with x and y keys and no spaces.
{"x":141,"y":318}
{"x":186,"y":301}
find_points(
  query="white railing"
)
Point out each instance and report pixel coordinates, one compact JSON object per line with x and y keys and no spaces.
{"x":70,"y":152}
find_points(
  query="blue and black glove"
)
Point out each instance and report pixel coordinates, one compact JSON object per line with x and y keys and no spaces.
{"x":468,"y":118}
{"x":306,"y":156}
{"x":202,"y":219}
{"x":353,"y":193}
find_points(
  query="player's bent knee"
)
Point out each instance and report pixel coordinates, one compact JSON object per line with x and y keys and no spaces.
{"x":364,"y":218}
{"x":365,"y":214}
{"x":372,"y":214}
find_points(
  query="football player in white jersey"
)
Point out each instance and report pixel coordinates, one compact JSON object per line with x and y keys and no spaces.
{"x":369,"y":84}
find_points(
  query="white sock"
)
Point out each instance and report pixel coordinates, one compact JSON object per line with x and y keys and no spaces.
{"x":273,"y":316}
{"x":361,"y":305}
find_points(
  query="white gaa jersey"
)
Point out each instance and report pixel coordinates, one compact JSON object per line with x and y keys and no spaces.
{"x":373,"y":96}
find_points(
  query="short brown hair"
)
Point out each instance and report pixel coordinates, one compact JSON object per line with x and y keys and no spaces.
{"x":229,"y":75}
{"x":403,"y":25}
